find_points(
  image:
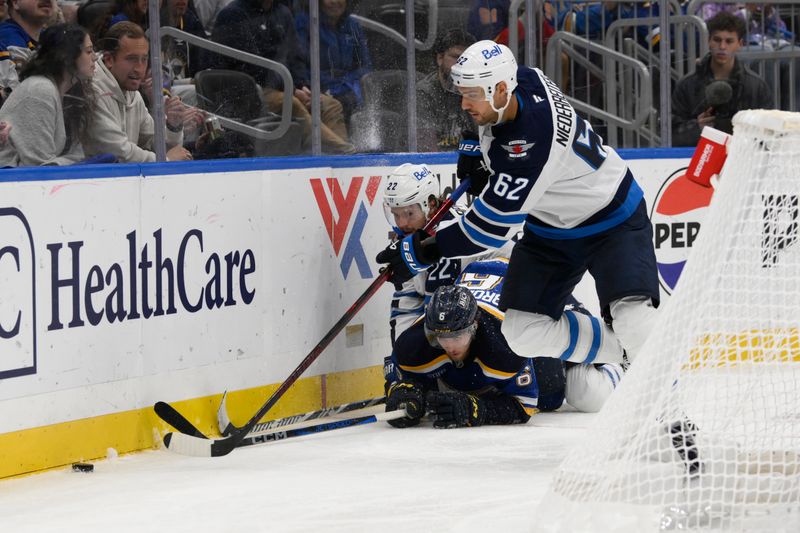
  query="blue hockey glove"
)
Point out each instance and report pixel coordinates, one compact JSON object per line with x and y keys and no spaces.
{"x":408,"y":394}
{"x":471,"y":163}
{"x":455,"y":409}
{"x":409,"y":256}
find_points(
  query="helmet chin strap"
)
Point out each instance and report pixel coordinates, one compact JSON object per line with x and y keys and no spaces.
{"x":501,"y":110}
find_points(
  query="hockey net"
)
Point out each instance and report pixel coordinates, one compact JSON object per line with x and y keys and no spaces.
{"x":703,"y":433}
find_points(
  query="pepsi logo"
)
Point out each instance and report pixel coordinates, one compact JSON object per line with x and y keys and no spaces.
{"x":678,"y":212}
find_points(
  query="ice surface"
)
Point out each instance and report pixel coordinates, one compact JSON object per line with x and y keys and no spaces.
{"x":370,"y":478}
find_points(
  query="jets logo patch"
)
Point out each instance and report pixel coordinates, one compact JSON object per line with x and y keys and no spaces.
{"x":518,"y":148}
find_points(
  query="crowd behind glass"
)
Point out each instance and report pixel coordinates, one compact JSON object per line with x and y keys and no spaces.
{"x":77,"y":77}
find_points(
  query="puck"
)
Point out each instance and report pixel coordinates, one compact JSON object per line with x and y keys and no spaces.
{"x":82,"y":467}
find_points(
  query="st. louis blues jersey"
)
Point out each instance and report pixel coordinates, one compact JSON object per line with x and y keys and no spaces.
{"x":491,"y":367}
{"x":551,"y":174}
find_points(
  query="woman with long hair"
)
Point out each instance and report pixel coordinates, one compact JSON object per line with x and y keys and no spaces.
{"x":49,"y":112}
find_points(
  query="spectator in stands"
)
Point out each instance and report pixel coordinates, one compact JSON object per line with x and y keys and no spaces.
{"x":120,"y":10}
{"x":693,"y":97}
{"x":440,"y":117}
{"x":710,"y":9}
{"x":19,"y":36}
{"x":182,"y":59}
{"x":765,"y":26}
{"x":343,"y":53}
{"x":487,"y":18}
{"x":50,"y":110}
{"x":267,"y":29}
{"x":207,"y":11}
{"x":131,"y":10}
{"x":3,"y":10}
{"x":767,"y":32}
{"x":122,"y":125}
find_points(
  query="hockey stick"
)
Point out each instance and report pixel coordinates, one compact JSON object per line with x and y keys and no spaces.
{"x":226,"y":427}
{"x":192,"y":446}
{"x":224,"y":446}
{"x":171,"y":416}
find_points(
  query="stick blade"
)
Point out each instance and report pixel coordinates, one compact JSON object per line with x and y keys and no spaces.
{"x":188,"y":445}
{"x":224,"y":423}
{"x":171,"y":416}
{"x":199,"y":447}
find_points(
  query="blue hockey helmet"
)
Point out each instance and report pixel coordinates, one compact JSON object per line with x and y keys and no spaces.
{"x":451,"y":312}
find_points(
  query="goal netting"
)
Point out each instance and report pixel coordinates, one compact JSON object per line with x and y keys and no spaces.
{"x":703,"y":433}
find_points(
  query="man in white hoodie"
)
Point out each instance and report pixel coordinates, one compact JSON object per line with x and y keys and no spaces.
{"x":122,"y":124}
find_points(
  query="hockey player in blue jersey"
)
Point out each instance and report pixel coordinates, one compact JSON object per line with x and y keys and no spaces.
{"x":410,"y":198}
{"x":538,"y":166}
{"x":456,"y":364}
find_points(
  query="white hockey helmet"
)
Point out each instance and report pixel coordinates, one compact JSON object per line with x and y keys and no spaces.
{"x":408,"y":186}
{"x":484,"y":65}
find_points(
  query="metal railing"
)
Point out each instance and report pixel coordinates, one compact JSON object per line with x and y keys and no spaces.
{"x":641,"y":82}
{"x":252,"y":59}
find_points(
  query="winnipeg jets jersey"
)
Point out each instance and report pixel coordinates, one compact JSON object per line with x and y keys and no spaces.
{"x":552,"y":175}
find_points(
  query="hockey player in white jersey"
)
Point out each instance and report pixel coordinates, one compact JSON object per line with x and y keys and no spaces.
{"x":540,"y":167}
{"x":410,"y":198}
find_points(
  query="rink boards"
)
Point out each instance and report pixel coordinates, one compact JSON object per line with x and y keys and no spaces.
{"x":127,"y":284}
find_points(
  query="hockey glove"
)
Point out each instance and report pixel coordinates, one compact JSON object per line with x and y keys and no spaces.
{"x":471,"y":163}
{"x":410,"y":395}
{"x":455,"y":409}
{"x":410,"y":256}
{"x":458,"y":409}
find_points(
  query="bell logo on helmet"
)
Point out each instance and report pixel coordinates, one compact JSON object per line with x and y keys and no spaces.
{"x":422,"y":174}
{"x":491,"y":52}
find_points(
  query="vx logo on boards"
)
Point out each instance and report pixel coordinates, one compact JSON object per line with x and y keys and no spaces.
{"x":17,"y":295}
{"x":345,"y":205}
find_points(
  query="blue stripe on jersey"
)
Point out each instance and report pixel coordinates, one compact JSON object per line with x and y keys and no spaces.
{"x":415,"y":311}
{"x":479,"y":237}
{"x":453,"y":242}
{"x":487,"y":227}
{"x":573,"y":335}
{"x":595,"y":340}
{"x":611,"y":375}
{"x":488,"y":214}
{"x":615,"y":218}
{"x":406,"y":293}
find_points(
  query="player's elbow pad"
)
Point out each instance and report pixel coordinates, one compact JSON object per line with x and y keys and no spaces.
{"x":504,"y":410}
